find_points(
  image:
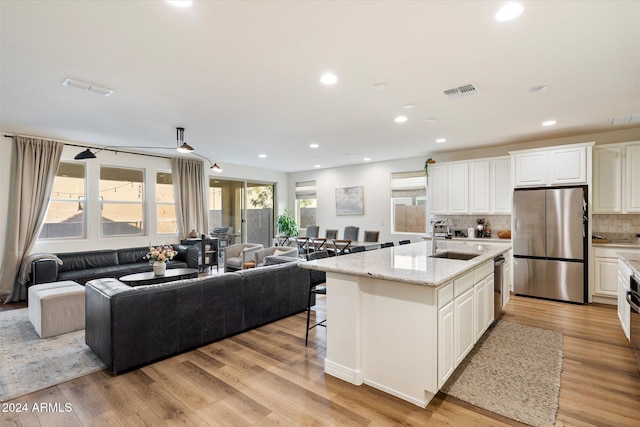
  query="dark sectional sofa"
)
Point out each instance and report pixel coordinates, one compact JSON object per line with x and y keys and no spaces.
{"x":84,"y":266}
{"x":128,"y":327}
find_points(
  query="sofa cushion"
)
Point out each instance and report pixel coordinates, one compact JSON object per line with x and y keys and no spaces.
{"x":132,"y":255}
{"x":85,"y":260}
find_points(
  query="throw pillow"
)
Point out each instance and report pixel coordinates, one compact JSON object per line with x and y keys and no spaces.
{"x":278,"y":252}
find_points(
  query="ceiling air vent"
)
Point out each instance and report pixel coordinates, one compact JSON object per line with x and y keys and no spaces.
{"x":464,"y":90}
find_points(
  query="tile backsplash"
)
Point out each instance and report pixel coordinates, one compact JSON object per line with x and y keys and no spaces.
{"x":616,"y":228}
{"x":462,"y":222}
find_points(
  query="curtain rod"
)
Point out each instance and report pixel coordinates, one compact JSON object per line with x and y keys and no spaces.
{"x":89,"y":147}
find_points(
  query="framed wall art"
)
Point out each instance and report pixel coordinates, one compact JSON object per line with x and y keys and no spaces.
{"x":350,"y":201}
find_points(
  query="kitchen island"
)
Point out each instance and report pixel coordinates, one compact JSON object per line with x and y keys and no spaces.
{"x":401,"y":320}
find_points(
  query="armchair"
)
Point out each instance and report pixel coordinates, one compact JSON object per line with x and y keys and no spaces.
{"x":261,"y":254}
{"x":236,"y":255}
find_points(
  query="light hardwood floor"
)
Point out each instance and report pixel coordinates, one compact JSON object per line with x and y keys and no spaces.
{"x":268,"y":377}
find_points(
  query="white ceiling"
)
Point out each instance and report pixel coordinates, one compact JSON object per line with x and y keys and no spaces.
{"x":242,"y":78}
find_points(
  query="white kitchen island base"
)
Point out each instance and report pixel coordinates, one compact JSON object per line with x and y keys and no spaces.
{"x":400,"y":320}
{"x":383,"y":334}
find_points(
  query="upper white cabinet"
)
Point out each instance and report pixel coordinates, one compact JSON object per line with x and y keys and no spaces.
{"x":480,"y":186}
{"x":564,"y":165}
{"x":459,"y":188}
{"x":633,"y":178}
{"x":439,"y":188}
{"x":607,"y":179}
{"x":530,"y":169}
{"x":616,"y":178}
{"x":501,"y":191}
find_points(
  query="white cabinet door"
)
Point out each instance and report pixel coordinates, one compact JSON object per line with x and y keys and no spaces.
{"x":530,"y":169}
{"x":479,"y":187}
{"x":439,"y":189}
{"x":446,"y":347}
{"x":607,"y":180}
{"x":624,"y":311}
{"x":459,"y":188}
{"x":501,"y":190}
{"x":633,"y":178}
{"x":480,"y":307}
{"x":463,"y":317}
{"x":606,"y":276}
{"x":568,"y":166}
{"x":507,"y":279}
{"x":489,"y":293}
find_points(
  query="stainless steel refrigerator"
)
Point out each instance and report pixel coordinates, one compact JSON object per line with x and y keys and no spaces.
{"x":549,"y":240}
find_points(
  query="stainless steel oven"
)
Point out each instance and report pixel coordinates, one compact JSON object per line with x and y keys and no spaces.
{"x":633,"y":298}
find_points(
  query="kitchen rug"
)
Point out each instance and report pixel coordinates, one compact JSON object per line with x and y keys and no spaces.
{"x":513,"y":371}
{"x":29,"y":363}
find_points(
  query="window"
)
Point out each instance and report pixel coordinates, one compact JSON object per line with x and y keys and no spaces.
{"x":122,"y":201}
{"x":165,"y":204}
{"x":306,"y":203}
{"x":66,"y":216}
{"x":408,"y":202}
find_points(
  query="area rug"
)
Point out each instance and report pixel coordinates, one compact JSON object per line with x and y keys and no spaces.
{"x":513,"y":371}
{"x":29,"y":363}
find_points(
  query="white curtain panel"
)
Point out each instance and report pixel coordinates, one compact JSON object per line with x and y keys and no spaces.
{"x":34,"y":166}
{"x":189,"y":185}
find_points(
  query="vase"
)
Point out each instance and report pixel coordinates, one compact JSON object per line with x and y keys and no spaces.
{"x":159,"y":268}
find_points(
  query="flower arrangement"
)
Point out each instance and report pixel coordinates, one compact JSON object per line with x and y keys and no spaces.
{"x":162,"y":253}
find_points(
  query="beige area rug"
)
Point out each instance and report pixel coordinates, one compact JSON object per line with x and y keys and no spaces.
{"x":514,"y":371}
{"x":29,"y":363}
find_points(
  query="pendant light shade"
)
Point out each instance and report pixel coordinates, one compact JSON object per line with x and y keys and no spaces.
{"x":183,"y":147}
{"x":86,"y":154}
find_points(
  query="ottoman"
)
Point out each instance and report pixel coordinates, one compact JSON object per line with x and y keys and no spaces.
{"x":56,"y":308}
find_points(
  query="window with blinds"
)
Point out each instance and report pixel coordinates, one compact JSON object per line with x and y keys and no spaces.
{"x":409,"y":202}
{"x":306,"y":203}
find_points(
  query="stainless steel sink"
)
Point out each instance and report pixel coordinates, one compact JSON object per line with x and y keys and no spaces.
{"x":455,"y":255}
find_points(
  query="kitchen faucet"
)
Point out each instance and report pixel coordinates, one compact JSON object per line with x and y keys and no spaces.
{"x":438,"y":224}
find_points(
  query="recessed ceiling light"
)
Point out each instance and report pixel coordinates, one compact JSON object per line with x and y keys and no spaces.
{"x":549,"y":123}
{"x":314,"y":145}
{"x":379,"y":86}
{"x":431,"y":119}
{"x":328,"y":79}
{"x":409,"y":106}
{"x":400,"y":119}
{"x":179,"y":3}
{"x":366,"y":159}
{"x":262,"y":156}
{"x":535,"y":89}
{"x":509,"y":11}
{"x":441,"y":140}
{"x":317,"y":166}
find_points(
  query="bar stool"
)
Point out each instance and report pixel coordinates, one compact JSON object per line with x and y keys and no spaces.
{"x":316,"y":278}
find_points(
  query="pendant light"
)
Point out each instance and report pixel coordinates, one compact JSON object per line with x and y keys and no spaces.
{"x":183,"y":147}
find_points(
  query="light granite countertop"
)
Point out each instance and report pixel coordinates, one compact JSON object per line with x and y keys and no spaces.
{"x":411,"y":263}
{"x":617,"y":245}
{"x":632,"y":260}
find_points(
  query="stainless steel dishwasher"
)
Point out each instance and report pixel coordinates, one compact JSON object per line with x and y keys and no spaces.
{"x":498,"y":277}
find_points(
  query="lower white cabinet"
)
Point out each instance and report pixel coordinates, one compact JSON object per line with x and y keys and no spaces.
{"x":624,"y":310}
{"x":446,"y":351}
{"x":606,"y":274}
{"x":464,"y":325}
{"x":465,"y":311}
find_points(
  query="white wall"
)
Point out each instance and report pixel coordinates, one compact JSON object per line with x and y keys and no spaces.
{"x":151,"y":164}
{"x":376,"y":180}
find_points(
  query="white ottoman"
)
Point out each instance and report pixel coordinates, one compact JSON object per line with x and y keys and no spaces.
{"x":56,"y":308}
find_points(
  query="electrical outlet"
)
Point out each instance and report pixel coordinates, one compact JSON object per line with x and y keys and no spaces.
{"x":626,"y":227}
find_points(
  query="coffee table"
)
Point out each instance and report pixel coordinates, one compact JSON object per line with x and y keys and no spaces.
{"x":148,"y":278}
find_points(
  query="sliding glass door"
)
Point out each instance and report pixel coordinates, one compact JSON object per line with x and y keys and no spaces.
{"x":245,"y":206}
